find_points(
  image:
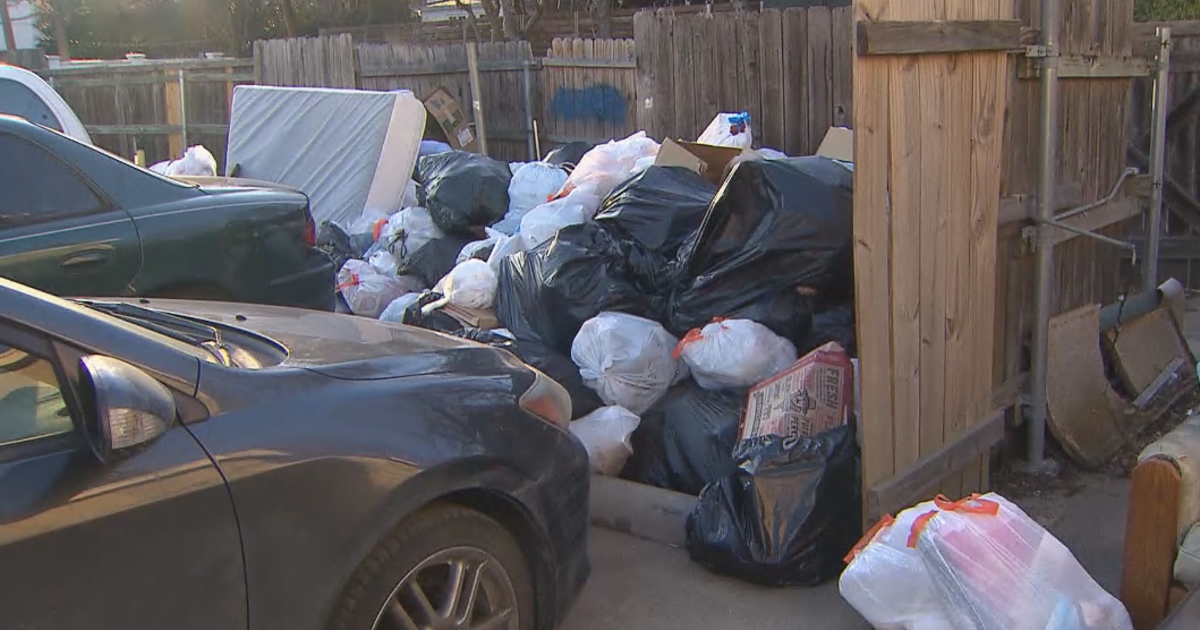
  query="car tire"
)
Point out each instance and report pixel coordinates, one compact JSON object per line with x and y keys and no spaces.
{"x":422,"y":556}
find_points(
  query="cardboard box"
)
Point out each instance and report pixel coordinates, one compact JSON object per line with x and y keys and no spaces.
{"x":708,"y":160}
{"x":473,"y":317}
{"x":450,"y":118}
{"x":812,"y":396}
{"x":838,"y":144}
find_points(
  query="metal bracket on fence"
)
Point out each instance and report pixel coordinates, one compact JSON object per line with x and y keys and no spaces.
{"x":1116,"y":189}
{"x":1037,"y":51}
{"x":1088,"y":233}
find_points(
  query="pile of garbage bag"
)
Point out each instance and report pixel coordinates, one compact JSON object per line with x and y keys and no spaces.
{"x":670,"y":306}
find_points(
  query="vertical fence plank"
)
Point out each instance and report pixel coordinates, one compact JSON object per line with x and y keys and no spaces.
{"x":773,"y":121}
{"x":796,"y":82}
{"x":819,"y":75}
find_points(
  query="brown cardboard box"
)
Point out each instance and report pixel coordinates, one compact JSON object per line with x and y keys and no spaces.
{"x":450,"y":117}
{"x":708,"y":160}
{"x":473,"y":317}
{"x":838,"y":144}
{"x":812,"y":396}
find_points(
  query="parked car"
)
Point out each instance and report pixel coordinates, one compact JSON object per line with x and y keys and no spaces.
{"x":215,"y":466}
{"x":25,"y":94}
{"x":76,"y":220}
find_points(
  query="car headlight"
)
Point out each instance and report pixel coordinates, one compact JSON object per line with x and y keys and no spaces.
{"x":547,"y":400}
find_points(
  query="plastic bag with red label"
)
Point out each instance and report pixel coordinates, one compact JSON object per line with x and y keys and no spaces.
{"x":734,"y":354}
{"x":988,"y":566}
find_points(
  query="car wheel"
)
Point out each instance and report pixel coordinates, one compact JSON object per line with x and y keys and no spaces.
{"x":445,"y":568}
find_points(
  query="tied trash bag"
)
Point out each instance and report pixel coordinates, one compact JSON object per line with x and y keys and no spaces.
{"x":531,"y":185}
{"x":728,"y":130}
{"x":833,"y":321}
{"x":415,"y":314}
{"x":776,"y":226}
{"x":471,"y":284}
{"x":787,"y":514}
{"x":605,"y":434}
{"x":197,"y":161}
{"x":366,"y":291}
{"x":434,"y":260}
{"x":544,"y":221}
{"x":626,"y":359}
{"x":734,"y":353}
{"x":685,"y":442}
{"x":994,"y":568}
{"x":659,"y":208}
{"x":609,"y":164}
{"x":408,"y":231}
{"x":546,"y":294}
{"x":463,"y":190}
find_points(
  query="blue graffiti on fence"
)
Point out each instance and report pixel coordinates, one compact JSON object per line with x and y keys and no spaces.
{"x":604,"y":103}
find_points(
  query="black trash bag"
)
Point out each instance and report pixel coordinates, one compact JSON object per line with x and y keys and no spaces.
{"x":584,"y":399}
{"x":659,"y":208}
{"x":546,"y":295}
{"x":463,"y":190}
{"x":788,"y":514}
{"x":340,"y":246}
{"x":832,"y":321}
{"x":775,"y":225}
{"x":437,"y":320}
{"x":434,"y":260}
{"x":569,"y":153}
{"x":685,"y":442}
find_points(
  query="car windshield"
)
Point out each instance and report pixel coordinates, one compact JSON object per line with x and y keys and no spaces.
{"x":189,"y":331}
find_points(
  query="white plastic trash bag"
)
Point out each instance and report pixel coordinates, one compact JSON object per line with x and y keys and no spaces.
{"x":407,"y":231}
{"x":734,"y":354}
{"x":197,"y":161}
{"x":605,"y":434}
{"x":367,"y":291}
{"x":471,"y":284}
{"x":988,"y":566}
{"x":394,"y":312}
{"x":607,"y":165}
{"x":544,"y":221}
{"x":369,"y":222}
{"x":532,"y":184}
{"x":383,"y":262}
{"x":626,"y":359}
{"x":470,"y":249}
{"x":728,"y":130}
{"x":506,"y":246}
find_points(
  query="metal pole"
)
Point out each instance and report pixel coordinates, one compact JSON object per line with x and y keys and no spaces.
{"x":183,"y":110}
{"x":525,"y":76}
{"x":1044,"y":265}
{"x":1158,"y":148}
{"x":476,"y":96}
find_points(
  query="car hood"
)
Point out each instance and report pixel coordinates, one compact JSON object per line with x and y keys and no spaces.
{"x":317,"y":338}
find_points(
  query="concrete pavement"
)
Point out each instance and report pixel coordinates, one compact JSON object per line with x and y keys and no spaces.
{"x":639,"y":584}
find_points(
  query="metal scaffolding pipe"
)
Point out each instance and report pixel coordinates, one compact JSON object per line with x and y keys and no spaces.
{"x":1158,"y":148}
{"x":1044,"y":265}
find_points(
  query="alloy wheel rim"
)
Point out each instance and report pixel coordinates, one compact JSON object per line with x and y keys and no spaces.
{"x":459,"y":588}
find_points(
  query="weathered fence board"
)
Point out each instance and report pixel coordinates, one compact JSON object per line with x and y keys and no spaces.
{"x":306,"y":62}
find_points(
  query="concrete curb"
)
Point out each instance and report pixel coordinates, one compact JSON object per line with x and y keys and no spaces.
{"x":644,"y":511}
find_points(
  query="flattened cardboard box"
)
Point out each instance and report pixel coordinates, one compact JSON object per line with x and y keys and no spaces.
{"x":810,"y":397}
{"x":451,"y":119}
{"x":709,"y":160}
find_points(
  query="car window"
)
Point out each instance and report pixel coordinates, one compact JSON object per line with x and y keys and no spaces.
{"x":37,"y":187}
{"x":31,"y":401}
{"x":19,"y":100}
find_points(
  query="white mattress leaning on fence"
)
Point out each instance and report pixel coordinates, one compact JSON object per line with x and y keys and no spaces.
{"x":349,"y":150}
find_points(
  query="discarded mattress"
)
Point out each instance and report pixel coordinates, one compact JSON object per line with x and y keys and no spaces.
{"x":348,"y":150}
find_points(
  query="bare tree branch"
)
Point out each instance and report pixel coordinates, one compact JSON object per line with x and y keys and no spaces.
{"x":539,"y":8}
{"x":470,"y":18}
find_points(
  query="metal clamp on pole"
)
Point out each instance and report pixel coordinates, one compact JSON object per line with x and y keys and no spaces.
{"x":1055,"y":223}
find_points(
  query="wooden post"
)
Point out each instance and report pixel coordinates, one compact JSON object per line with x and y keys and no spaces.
{"x":477,"y":96}
{"x":928,"y":123}
{"x":173,"y":98}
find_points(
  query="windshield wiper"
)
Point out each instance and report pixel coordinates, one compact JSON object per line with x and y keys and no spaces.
{"x":179,"y":328}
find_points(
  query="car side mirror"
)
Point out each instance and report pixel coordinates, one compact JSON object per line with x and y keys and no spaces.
{"x":131,"y":408}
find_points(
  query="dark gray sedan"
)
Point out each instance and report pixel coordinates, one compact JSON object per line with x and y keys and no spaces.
{"x":212,"y":466}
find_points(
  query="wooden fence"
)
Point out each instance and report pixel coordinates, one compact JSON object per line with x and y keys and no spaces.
{"x":790,"y":69}
{"x":159,"y":107}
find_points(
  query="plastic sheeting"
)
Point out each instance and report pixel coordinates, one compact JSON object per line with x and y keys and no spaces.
{"x":685,"y":442}
{"x":788,"y":513}
{"x":627,"y":359}
{"x":660,"y":208}
{"x":775,"y":227}
{"x":348,"y":150}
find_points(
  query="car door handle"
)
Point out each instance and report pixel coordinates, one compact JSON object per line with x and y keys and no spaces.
{"x":90,"y":257}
